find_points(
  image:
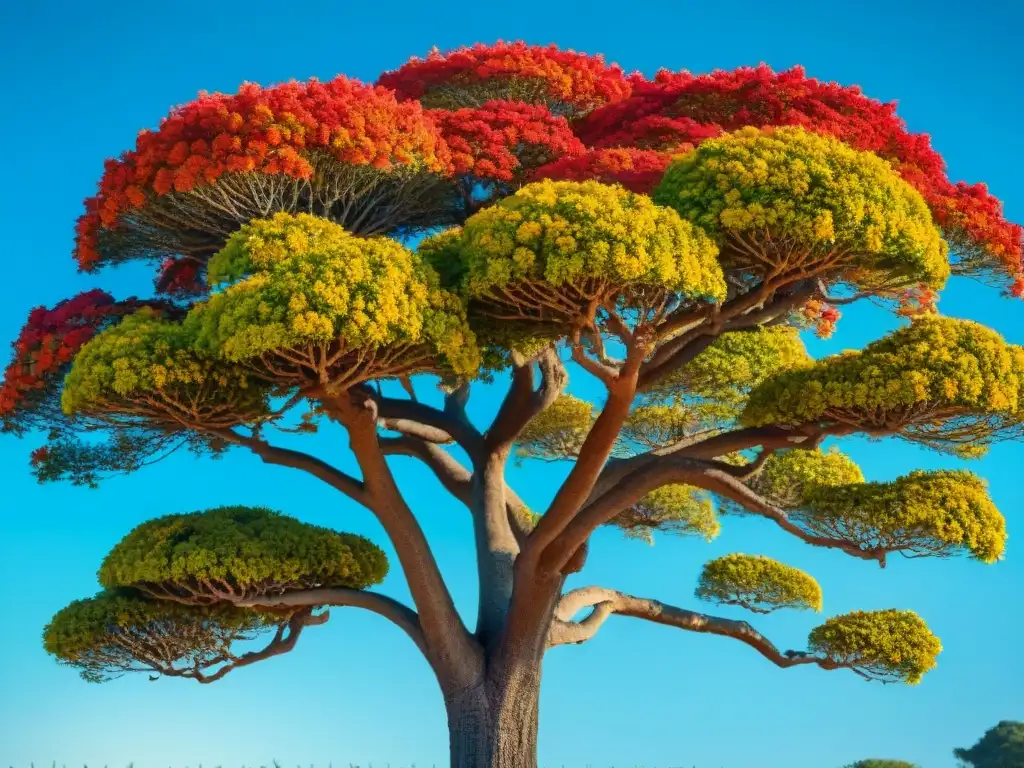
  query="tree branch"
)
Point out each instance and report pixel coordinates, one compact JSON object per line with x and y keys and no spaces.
{"x":523,"y":402}
{"x":398,"y":614}
{"x":708,"y":475}
{"x":286,"y":457}
{"x":607,"y":602}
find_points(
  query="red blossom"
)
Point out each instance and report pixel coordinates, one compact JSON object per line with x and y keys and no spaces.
{"x":270,"y":130}
{"x":571,"y":83}
{"x":502,"y":139}
{"x":50,"y":339}
{"x":822,"y":316}
{"x":638,"y":170}
{"x":917,"y":301}
{"x":679,"y":107}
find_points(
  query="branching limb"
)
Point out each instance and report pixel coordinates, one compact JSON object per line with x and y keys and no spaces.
{"x":709,"y":475}
{"x":398,"y":614}
{"x":451,"y":421}
{"x":607,"y":602}
{"x":286,"y":457}
{"x":523,"y":402}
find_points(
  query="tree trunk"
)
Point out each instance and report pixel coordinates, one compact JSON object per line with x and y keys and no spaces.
{"x":494,"y":724}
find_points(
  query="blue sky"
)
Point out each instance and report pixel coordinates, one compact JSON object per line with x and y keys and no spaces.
{"x":79,"y":80}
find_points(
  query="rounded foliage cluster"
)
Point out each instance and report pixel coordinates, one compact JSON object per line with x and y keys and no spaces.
{"x":656,"y":425}
{"x":149,"y":368}
{"x":503,"y":140}
{"x":552,"y":248}
{"x":886,"y":645}
{"x":236,"y":553}
{"x":569,"y":83}
{"x":757,"y":583}
{"x":788,"y":478}
{"x":120,"y":631}
{"x":939,"y":380}
{"x":312,"y":132}
{"x":925,"y":513}
{"x":312,"y":301}
{"x":735,"y":363}
{"x":676,"y":509}
{"x":796,"y":202}
{"x":558,"y":431}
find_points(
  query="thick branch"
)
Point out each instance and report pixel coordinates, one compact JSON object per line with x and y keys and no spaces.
{"x":607,"y":602}
{"x":449,"y":420}
{"x":398,"y":614}
{"x":523,"y":402}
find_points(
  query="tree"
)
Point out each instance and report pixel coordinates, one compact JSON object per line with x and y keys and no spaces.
{"x":881,"y":764}
{"x":1002,"y":746}
{"x":668,"y":239}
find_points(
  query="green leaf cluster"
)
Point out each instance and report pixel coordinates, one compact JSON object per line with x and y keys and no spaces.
{"x":798,"y":200}
{"x":927,"y":513}
{"x":679,"y":510}
{"x":574,"y":241}
{"x":887,"y":645}
{"x":120,"y":631}
{"x":787,"y":477}
{"x":149,"y":367}
{"x":296,"y":282}
{"x":241,"y":550}
{"x":1002,"y":746}
{"x":941,"y":381}
{"x":558,"y":431}
{"x":757,"y":583}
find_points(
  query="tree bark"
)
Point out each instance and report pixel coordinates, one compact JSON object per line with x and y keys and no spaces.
{"x":493,"y":724}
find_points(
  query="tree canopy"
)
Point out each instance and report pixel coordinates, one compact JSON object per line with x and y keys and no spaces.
{"x":1001,"y":746}
{"x":501,"y":217}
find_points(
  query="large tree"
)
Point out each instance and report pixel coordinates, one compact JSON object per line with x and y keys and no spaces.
{"x":325,"y":252}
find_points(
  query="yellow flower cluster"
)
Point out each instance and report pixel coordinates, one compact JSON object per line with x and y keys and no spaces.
{"x":299,"y":280}
{"x":886,"y":645}
{"x":787,"y":477}
{"x":143,"y":357}
{"x":757,"y":583}
{"x":680,"y":510}
{"x":564,"y":233}
{"x":558,"y":431}
{"x":780,"y":187}
{"x":912,"y":381}
{"x":927,"y":513}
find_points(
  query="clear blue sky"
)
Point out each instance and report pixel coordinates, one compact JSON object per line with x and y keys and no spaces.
{"x":80,"y":79}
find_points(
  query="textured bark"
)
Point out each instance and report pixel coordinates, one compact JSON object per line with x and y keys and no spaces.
{"x":494,"y":723}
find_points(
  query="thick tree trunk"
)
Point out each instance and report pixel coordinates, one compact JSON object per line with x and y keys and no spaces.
{"x":494,"y":724}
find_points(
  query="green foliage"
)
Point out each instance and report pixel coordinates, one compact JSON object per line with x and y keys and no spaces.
{"x":874,"y":763}
{"x":926,"y":513}
{"x":787,"y":477}
{"x":314,"y":297}
{"x":656,"y":425}
{"x":120,"y":631}
{"x":239,"y":552}
{"x":757,"y":583}
{"x":1002,"y":746}
{"x":951,"y":384}
{"x":558,"y":431}
{"x":680,"y":510}
{"x":799,"y":201}
{"x":735,"y":363}
{"x":887,"y":645}
{"x":147,"y":367}
{"x":543,"y":254}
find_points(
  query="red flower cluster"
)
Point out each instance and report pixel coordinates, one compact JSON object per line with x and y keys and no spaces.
{"x":575,"y":80}
{"x":822,"y":316}
{"x":270,"y":130}
{"x":681,"y":107}
{"x":50,"y":339}
{"x":502,"y":139}
{"x":638,"y":170}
